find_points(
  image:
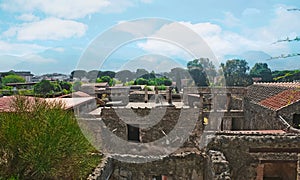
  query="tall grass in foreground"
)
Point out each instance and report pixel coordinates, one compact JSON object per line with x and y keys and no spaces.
{"x":43,"y":141}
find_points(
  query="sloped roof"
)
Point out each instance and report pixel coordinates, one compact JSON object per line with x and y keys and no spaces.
{"x":261,"y":91}
{"x":6,"y":102}
{"x":75,"y":94}
{"x":281,"y":100}
{"x":274,"y":96}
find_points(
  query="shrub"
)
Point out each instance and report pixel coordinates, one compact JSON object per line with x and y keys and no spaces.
{"x":43,"y":141}
{"x":162,"y":88}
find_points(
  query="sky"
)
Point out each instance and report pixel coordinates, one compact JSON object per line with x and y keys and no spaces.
{"x":47,"y":36}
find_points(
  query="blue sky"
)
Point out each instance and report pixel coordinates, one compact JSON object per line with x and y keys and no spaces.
{"x":46,"y":36}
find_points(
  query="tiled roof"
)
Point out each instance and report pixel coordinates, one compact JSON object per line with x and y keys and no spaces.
{"x":5,"y":104}
{"x":259,"y":92}
{"x":274,"y":96}
{"x":281,"y":84}
{"x":282,"y":99}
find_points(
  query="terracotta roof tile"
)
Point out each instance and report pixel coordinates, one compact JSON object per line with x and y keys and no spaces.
{"x":5,"y":104}
{"x":282,"y":99}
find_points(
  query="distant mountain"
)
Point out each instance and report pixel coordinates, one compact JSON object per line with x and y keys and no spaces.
{"x":48,"y":61}
{"x":253,"y":57}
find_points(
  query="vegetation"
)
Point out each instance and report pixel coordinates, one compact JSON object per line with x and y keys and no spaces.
{"x":286,"y":75}
{"x":107,"y":79}
{"x":235,"y":73}
{"x":197,"y":72}
{"x":12,"y":78}
{"x":261,"y":70}
{"x":153,"y":81}
{"x":77,"y":85}
{"x":43,"y":141}
{"x":46,"y":87}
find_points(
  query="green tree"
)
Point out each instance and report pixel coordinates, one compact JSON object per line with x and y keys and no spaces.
{"x":107,"y":79}
{"x":141,"y":81}
{"x":65,"y":85}
{"x":140,"y":72}
{"x":125,"y":76}
{"x":209,"y":69}
{"x":46,"y":87}
{"x":12,"y":79}
{"x":235,"y":73}
{"x":77,"y":85}
{"x":92,"y":75}
{"x":261,"y":70}
{"x":197,"y":72}
{"x":111,"y":74}
{"x":79,"y":74}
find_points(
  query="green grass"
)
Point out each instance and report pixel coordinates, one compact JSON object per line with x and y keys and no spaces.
{"x":43,"y":141}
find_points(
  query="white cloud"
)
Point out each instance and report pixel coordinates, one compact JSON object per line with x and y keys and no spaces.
{"x":164,"y":48}
{"x":157,"y":63}
{"x":34,"y":58}
{"x":204,"y":29}
{"x":20,"y":49}
{"x":70,"y":9}
{"x":230,"y":20}
{"x":59,"y":49}
{"x":250,"y":12}
{"x":147,"y":1}
{"x":47,"y":29}
{"x":220,"y":41}
{"x":285,"y":23}
{"x":28,"y":17}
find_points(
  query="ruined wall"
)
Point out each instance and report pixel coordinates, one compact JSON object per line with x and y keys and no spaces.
{"x":181,"y":166}
{"x":244,"y":152}
{"x":103,"y":170}
{"x":258,"y":117}
{"x":217,"y":166}
{"x":288,"y":112}
{"x":154,"y":123}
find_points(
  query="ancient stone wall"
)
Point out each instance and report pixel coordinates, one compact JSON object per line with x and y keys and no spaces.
{"x":181,"y":166}
{"x":103,"y":170}
{"x":258,"y":117}
{"x":245,"y":152}
{"x":289,"y":111}
{"x":217,"y":166}
{"x":154,"y":123}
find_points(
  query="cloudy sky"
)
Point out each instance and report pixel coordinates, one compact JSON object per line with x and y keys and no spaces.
{"x":46,"y":36}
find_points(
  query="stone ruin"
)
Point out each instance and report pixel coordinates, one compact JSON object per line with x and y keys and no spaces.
{"x":219,"y":149}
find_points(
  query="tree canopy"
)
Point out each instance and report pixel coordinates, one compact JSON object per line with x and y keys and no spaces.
{"x":125,"y":76}
{"x":261,"y":70}
{"x":46,"y":87}
{"x":197,"y":72}
{"x":235,"y":73}
{"x":12,"y":78}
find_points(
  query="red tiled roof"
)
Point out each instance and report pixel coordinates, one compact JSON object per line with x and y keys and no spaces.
{"x":5,"y":104}
{"x":281,"y":99}
{"x":281,"y":84}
